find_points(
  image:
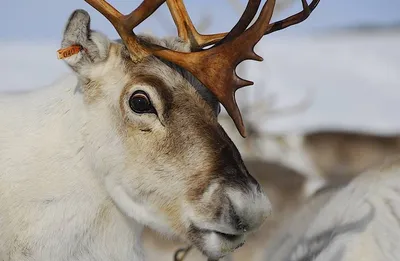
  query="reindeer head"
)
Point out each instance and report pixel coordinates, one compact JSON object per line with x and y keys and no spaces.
{"x":152,"y":133}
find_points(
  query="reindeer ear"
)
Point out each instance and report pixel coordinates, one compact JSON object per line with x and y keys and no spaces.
{"x":82,"y":47}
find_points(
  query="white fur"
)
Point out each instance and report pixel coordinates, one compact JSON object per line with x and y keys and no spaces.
{"x":361,"y":222}
{"x":68,"y":185}
{"x":215,"y":246}
{"x":136,"y":210}
{"x":254,"y":207}
{"x":55,"y":194}
{"x":79,"y":178}
{"x":102,"y":44}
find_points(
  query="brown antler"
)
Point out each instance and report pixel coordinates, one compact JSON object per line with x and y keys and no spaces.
{"x":186,"y":29}
{"x":214,"y":67}
{"x":124,"y":24}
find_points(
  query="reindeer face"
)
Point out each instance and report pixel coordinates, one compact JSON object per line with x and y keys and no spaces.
{"x":153,"y":137}
{"x":182,"y":165}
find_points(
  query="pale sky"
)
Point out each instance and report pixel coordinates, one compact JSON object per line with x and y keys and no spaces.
{"x":44,"y":19}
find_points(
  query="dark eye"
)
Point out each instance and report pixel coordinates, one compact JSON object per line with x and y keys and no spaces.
{"x":140,"y":103}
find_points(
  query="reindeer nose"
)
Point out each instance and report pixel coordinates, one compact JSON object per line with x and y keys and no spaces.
{"x":248,"y":208}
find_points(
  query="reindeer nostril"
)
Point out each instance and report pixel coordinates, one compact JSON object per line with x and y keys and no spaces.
{"x":241,"y":226}
{"x":235,"y":220}
{"x":248,"y":209}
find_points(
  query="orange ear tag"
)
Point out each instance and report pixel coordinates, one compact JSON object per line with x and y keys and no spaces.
{"x":69,"y":51}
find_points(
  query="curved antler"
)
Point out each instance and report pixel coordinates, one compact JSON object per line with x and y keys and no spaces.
{"x":214,"y":67}
{"x":186,"y":29}
{"x":124,"y":24}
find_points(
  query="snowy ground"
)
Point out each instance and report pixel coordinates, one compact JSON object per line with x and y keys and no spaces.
{"x":355,"y":78}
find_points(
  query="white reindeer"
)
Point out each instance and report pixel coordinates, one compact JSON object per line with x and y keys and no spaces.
{"x":131,"y":140}
{"x":360,"y":221}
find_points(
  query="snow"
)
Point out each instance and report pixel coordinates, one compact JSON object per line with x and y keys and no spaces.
{"x":354,"y":78}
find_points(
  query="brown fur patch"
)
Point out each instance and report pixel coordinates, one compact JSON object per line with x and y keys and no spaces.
{"x":345,"y":154}
{"x":198,"y":185}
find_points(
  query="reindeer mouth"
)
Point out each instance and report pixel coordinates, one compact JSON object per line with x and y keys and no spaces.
{"x":215,"y":244}
{"x":227,"y":237}
{"x":224,"y":235}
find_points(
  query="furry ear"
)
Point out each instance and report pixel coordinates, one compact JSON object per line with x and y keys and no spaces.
{"x":94,"y":46}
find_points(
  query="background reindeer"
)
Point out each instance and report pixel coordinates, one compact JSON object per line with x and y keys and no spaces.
{"x":359,"y":221}
{"x":324,"y":156}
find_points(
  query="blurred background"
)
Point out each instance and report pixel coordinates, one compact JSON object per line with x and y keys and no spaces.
{"x":345,"y":54}
{"x":326,"y":99}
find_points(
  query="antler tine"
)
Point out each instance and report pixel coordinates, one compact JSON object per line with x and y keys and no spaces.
{"x":142,"y":12}
{"x":186,"y":29}
{"x":294,"y":19}
{"x":244,"y":21}
{"x":124,"y":24}
{"x":112,"y":14}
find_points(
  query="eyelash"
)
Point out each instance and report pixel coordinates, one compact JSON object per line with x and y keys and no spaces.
{"x":141,"y":95}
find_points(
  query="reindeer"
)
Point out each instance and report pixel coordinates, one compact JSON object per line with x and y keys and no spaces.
{"x":132,"y":140}
{"x":357,"y":221}
{"x":324,"y":156}
{"x":327,"y":157}
{"x":342,"y":155}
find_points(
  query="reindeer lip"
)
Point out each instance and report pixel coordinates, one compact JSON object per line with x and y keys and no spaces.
{"x":229,"y":237}
{"x":216,"y":244}
{"x":232,"y":237}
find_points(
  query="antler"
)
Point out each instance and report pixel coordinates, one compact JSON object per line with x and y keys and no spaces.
{"x":214,"y":67}
{"x":124,"y":24}
{"x":186,"y":29}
